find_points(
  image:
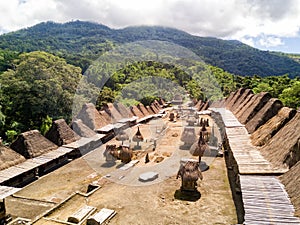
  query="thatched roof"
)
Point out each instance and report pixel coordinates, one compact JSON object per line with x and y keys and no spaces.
{"x":272,"y":126}
{"x":154,"y":108}
{"x":9,"y":157}
{"x":229,"y":98}
{"x":91,"y":117}
{"x":188,"y":135}
{"x":122,"y":136}
{"x":161,"y":101}
{"x":150,"y":110}
{"x":107,"y":118}
{"x":242,"y":105}
{"x":284,"y":147}
{"x":198,"y":104}
{"x":253,"y":107}
{"x":205,"y":106}
{"x":81,"y":129}
{"x":269,"y":110}
{"x":235,"y":97}
{"x":241,"y":99}
{"x":218,"y":104}
{"x":110,"y":109}
{"x":61,"y":134}
{"x":138,"y":136}
{"x":156,"y":103}
{"x":32,"y":143}
{"x":142,"y":108}
{"x":134,"y":109}
{"x":125,"y":113}
{"x":291,"y":181}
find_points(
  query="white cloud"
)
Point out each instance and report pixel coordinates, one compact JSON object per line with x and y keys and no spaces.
{"x":270,"y":42}
{"x":230,"y":19}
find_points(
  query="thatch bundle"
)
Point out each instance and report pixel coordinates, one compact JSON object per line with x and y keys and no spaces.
{"x":32,"y":143}
{"x":91,"y":117}
{"x":125,"y":113}
{"x":238,"y":94}
{"x":81,"y":129}
{"x":284,"y":147}
{"x":241,"y":99}
{"x":9,"y":157}
{"x":269,"y":110}
{"x":272,"y":126}
{"x":142,"y":108}
{"x":134,"y":109}
{"x":291,"y":181}
{"x":242,"y":105}
{"x":61,"y":134}
{"x":253,"y":107}
{"x":110,"y":109}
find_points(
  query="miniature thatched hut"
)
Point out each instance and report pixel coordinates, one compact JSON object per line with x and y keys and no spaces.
{"x":91,"y":117}
{"x":81,"y":129}
{"x":61,"y":134}
{"x":189,"y":173}
{"x":32,"y":143}
{"x":284,"y":147}
{"x":9,"y":157}
{"x":199,"y":147}
{"x":272,"y":126}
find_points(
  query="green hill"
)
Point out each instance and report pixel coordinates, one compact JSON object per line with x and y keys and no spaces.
{"x":81,"y":42}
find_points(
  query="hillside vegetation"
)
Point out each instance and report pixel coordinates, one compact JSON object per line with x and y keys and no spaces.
{"x":81,"y":42}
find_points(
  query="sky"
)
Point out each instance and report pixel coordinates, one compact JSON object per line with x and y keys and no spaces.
{"x":265,"y":24}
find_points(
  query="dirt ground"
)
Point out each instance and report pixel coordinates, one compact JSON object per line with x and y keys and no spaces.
{"x":158,"y":203}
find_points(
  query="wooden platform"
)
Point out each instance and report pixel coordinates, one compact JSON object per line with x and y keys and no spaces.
{"x":248,"y":158}
{"x":266,"y":201}
{"x":264,"y":197}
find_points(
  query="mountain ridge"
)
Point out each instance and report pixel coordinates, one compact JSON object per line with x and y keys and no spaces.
{"x":85,"y":41}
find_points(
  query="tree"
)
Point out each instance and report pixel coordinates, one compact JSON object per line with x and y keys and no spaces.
{"x":40,"y":85}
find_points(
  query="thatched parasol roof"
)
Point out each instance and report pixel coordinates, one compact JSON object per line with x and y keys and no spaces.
{"x":134,"y":109}
{"x":9,"y":157}
{"x":253,"y":106}
{"x":198,"y":148}
{"x":284,"y":147}
{"x":122,"y":136}
{"x":269,"y":110}
{"x":61,"y":134}
{"x":272,"y":126}
{"x":188,"y":135}
{"x":91,"y":117}
{"x":142,"y":108}
{"x":138,"y":136}
{"x":81,"y":129}
{"x":291,"y":181}
{"x":32,"y":143}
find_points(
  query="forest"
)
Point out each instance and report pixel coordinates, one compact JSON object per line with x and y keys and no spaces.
{"x":40,"y":76}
